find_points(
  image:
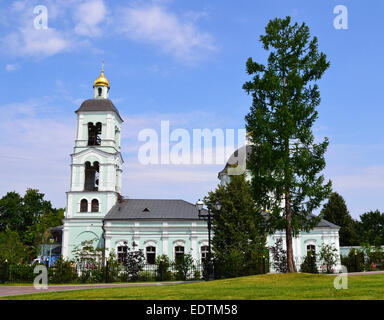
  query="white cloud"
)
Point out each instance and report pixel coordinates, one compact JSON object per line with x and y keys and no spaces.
{"x":12,"y":67}
{"x":156,"y":25}
{"x":89,"y":15}
{"x":74,"y":23}
{"x":32,"y":42}
{"x":35,"y":149}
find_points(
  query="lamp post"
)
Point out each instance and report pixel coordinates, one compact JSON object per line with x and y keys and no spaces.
{"x":208,"y":217}
{"x":50,"y":250}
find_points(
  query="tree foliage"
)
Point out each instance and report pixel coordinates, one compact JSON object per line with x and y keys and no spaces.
{"x":11,"y":248}
{"x":30,"y":216}
{"x":309,"y":264}
{"x":238,"y":228}
{"x":335,"y":211}
{"x":285,"y":162}
{"x":370,"y":228}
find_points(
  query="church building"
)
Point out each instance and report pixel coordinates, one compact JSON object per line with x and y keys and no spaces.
{"x":96,"y":210}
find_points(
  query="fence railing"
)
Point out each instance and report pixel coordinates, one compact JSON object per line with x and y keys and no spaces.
{"x":98,"y":273}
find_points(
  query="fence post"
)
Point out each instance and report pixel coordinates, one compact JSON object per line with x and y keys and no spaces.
{"x":107,"y":272}
{"x":161,"y":270}
{"x":5,"y":271}
{"x":356,"y":261}
{"x":263,"y":264}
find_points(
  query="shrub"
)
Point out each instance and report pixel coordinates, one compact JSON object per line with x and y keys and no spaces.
{"x":162,"y":268}
{"x":279,"y":256}
{"x":229,"y":265}
{"x":309,"y":264}
{"x":373,"y":257}
{"x":147,"y":276}
{"x":20,"y":273}
{"x":355,"y":261}
{"x":63,"y":271}
{"x":184,"y":267}
{"x":328,"y":256}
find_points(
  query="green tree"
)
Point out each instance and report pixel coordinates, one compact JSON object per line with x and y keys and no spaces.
{"x":309,"y":264}
{"x":11,"y":212}
{"x":335,"y":211}
{"x":285,"y":163}
{"x":238,"y":228}
{"x":11,"y":248}
{"x":371,"y":228}
{"x":31,"y":216}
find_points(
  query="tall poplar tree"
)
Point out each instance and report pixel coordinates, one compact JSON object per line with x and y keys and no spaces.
{"x":285,"y":162}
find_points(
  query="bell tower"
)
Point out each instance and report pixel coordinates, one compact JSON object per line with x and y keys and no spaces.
{"x":96,"y":168}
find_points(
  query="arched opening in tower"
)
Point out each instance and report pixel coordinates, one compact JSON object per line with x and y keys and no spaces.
{"x":91,"y":182}
{"x":94,"y":134}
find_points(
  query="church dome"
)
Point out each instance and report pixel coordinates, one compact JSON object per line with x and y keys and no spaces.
{"x":235,"y":159}
{"x":101,"y":80}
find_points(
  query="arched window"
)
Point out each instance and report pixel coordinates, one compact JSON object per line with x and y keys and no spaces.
{"x":179,"y":254}
{"x":95,"y":205}
{"x":84,"y":205}
{"x":204,"y":253}
{"x":122,"y":253}
{"x":100,"y":91}
{"x":311,"y":247}
{"x":150,"y":254}
{"x":91,"y":181}
{"x":94,"y":134}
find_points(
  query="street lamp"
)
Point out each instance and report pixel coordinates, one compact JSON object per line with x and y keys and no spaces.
{"x":208,"y":217}
{"x":50,"y":250}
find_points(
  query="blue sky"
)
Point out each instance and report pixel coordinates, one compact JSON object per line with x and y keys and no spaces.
{"x":182,"y":61}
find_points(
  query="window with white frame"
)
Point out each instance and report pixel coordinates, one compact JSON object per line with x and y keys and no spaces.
{"x":84,"y":205}
{"x":122,"y":253}
{"x":311,"y":248}
{"x":179,"y":253}
{"x":95,"y":205}
{"x":150,"y":254}
{"x":204,"y":253}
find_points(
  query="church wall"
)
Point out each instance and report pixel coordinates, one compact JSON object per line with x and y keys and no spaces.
{"x":317,"y":237}
{"x":164,"y":236}
{"x":78,"y":231}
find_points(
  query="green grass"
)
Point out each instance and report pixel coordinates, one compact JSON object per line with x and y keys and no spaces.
{"x":271,"y":286}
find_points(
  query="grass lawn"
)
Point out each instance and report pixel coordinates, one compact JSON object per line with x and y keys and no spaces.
{"x":270,"y":286}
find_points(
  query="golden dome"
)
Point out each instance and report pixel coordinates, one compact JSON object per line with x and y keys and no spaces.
{"x":101,"y":80}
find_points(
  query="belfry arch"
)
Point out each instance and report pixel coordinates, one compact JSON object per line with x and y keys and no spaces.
{"x":91,"y":180}
{"x":94,"y":134}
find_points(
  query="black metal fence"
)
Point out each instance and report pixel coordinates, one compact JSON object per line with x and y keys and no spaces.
{"x":100,"y":274}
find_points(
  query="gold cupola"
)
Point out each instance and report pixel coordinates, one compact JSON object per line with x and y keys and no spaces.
{"x":101,"y":80}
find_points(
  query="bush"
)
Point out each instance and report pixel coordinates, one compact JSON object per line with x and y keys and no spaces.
{"x":328,"y":257}
{"x":229,"y":265}
{"x":373,"y":257}
{"x":20,"y":273}
{"x":63,"y":271}
{"x":147,"y":276}
{"x":184,"y":267}
{"x":309,"y":264}
{"x":162,"y":271}
{"x":355,"y":261}
{"x":279,"y":256}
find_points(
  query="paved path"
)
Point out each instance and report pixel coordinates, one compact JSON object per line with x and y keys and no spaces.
{"x":364,"y":273}
{"x":17,"y":290}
